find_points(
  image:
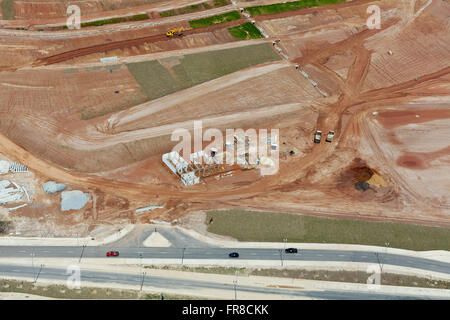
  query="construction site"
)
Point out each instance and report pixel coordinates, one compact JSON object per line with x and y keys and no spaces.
{"x":87,"y":115}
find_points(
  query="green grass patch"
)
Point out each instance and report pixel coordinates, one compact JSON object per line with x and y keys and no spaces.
{"x":183,"y":72}
{"x":221,"y":3}
{"x":289,"y":6}
{"x":245,"y":31}
{"x":63,"y":292}
{"x":274,"y":227}
{"x":98,"y":23}
{"x":168,"y":13}
{"x":194,"y":8}
{"x":390,"y":279}
{"x":8,"y":11}
{"x":218,"y":19}
{"x":4,"y":226}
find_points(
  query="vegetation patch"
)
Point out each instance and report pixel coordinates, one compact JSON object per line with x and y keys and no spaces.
{"x":4,"y":226}
{"x":8,"y":11}
{"x":245,"y":31}
{"x":218,"y":19}
{"x":289,"y":6}
{"x":389,"y":279}
{"x":183,"y":72}
{"x":63,"y":292}
{"x":194,"y":8}
{"x":274,"y":227}
{"x":98,"y":23}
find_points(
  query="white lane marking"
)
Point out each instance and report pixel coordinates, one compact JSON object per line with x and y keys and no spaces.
{"x":22,"y":251}
{"x":46,"y":251}
{"x":341,"y":255}
{"x":15,"y":270}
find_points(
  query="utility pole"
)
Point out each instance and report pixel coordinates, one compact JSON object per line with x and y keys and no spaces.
{"x":235,"y":285}
{"x":38,"y":274}
{"x":32,"y":264}
{"x":182,"y":255}
{"x":387,"y":244}
{"x":143,"y":278}
{"x":81,"y":256}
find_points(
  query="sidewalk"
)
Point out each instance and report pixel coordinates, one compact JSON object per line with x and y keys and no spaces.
{"x":35,"y":241}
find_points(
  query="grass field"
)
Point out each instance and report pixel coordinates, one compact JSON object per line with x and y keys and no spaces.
{"x":389,"y":279}
{"x":98,"y":23}
{"x":218,"y":19}
{"x":63,"y":292}
{"x":274,"y":227}
{"x":245,"y":31}
{"x":194,"y":8}
{"x":289,"y":6}
{"x":8,"y":11}
{"x":183,"y":72}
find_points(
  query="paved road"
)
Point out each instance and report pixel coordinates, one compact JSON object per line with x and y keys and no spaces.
{"x":177,"y":238}
{"x":165,"y":283}
{"x":222,"y":253}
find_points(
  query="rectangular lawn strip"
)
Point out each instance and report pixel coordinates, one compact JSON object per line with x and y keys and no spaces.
{"x":194,"y":8}
{"x":289,"y":6}
{"x":63,"y":292}
{"x":98,"y":23}
{"x":274,"y":227}
{"x":218,"y":19}
{"x":8,"y":11}
{"x":325,"y":275}
{"x":245,"y":31}
{"x":190,"y":70}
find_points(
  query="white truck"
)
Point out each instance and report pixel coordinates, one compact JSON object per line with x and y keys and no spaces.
{"x":330,"y":136}
{"x":317,"y":136}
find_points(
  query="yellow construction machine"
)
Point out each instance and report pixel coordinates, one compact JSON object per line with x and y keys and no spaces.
{"x":175,"y":32}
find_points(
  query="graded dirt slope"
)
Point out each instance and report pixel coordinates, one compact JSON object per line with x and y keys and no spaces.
{"x":388,"y":159}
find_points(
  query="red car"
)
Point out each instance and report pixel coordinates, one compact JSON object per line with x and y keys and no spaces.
{"x":112,"y":254}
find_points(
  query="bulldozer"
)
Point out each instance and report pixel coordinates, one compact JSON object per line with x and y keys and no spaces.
{"x":175,"y":32}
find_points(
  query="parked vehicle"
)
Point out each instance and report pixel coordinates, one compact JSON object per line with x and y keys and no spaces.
{"x":330,"y":136}
{"x":291,"y":250}
{"x":317,"y":136}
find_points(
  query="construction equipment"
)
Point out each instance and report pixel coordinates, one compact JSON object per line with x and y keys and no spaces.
{"x":317,"y":136}
{"x":330,"y":136}
{"x":175,"y":32}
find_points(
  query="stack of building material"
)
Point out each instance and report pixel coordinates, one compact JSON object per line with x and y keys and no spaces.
{"x":4,"y":167}
{"x":17,"y":167}
{"x":175,"y":162}
{"x":190,"y":178}
{"x":8,"y":193}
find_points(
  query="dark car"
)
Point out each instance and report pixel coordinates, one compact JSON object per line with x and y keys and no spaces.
{"x":112,"y":254}
{"x":291,"y":250}
{"x":234,"y":255}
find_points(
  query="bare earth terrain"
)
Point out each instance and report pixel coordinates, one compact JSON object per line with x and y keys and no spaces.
{"x":385,"y":92}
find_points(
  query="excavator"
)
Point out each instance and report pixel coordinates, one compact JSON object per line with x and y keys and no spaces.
{"x":175,"y":32}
